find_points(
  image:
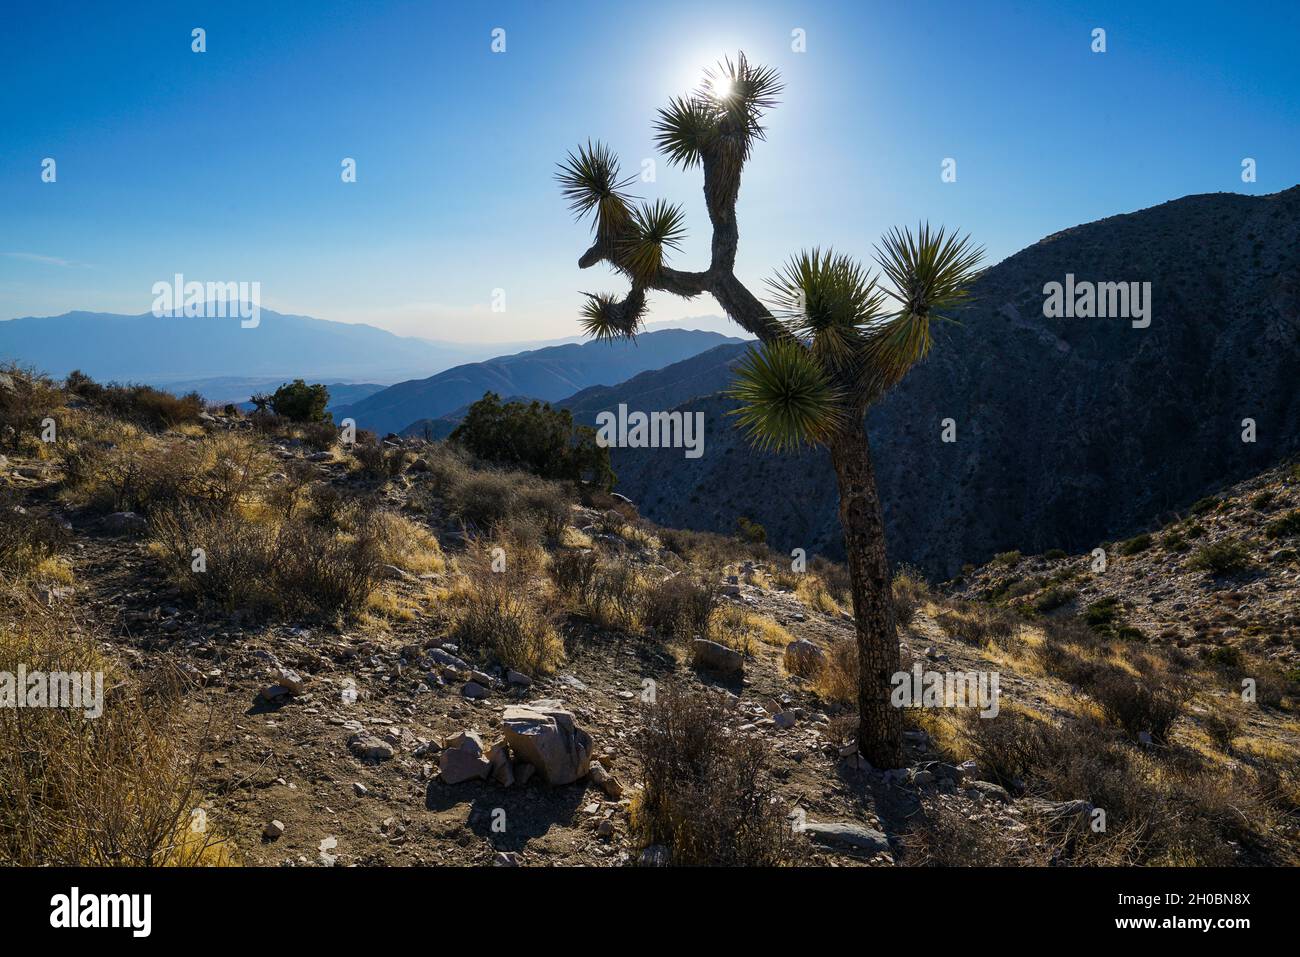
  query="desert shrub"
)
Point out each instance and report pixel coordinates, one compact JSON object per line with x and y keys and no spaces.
{"x":909,"y":590}
{"x":813,"y":592}
{"x":378,"y":461}
{"x":574,"y":574}
{"x":296,"y":401}
{"x":1136,"y":545}
{"x":747,"y":530}
{"x":680,"y":607}
{"x":1221,"y":727}
{"x":296,"y":567}
{"x":26,"y":399}
{"x":141,"y":404}
{"x":1205,"y":505}
{"x":1007,"y":559}
{"x":1006,"y":747}
{"x":548,"y":505}
{"x":943,"y":836}
{"x":1285,"y":527}
{"x":1261,"y":501}
{"x":1101,"y":614}
{"x":1134,"y":704}
{"x":707,"y":795}
{"x":505,"y":614}
{"x":1220,"y":558}
{"x":406,"y":544}
{"x":616,"y":595}
{"x":1055,"y":597}
{"x":838,"y":680}
{"x":319,"y":436}
{"x":534,"y":437}
{"x":1055,"y":554}
{"x":118,"y":790}
{"x":482,"y":500}
{"x":26,"y":539}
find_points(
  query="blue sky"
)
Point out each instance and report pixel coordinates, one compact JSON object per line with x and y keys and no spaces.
{"x":225,"y":165}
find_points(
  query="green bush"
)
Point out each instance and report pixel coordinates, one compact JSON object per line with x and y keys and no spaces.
{"x":535,"y":437}
{"x":1221,"y":558}
{"x":297,"y":401}
{"x":1139,"y":543}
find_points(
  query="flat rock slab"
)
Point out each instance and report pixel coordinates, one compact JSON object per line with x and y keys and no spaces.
{"x":848,"y":835}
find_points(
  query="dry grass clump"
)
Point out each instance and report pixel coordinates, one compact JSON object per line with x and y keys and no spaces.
{"x":257,"y":563}
{"x":406,"y":544}
{"x":707,"y":795}
{"x":28,"y":543}
{"x":838,"y":679}
{"x":680,"y":607}
{"x":609,"y":591}
{"x":1161,"y":807}
{"x":506,"y":612}
{"x":115,"y":790}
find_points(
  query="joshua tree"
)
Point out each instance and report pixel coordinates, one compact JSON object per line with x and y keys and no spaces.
{"x":833,"y":342}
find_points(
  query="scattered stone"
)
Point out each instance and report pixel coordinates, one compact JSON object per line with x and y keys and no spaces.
{"x":125,"y":523}
{"x":502,"y":771}
{"x":359,"y":789}
{"x":517,"y":678}
{"x":987,"y":789}
{"x":716,"y":657}
{"x":474,"y":690}
{"x":544,"y":735}
{"x":605,"y":781}
{"x":503,"y":858}
{"x":367,"y":747}
{"x":290,"y":679}
{"x":656,"y":855}
{"x":848,"y":834}
{"x":272,"y":830}
{"x":463,"y":759}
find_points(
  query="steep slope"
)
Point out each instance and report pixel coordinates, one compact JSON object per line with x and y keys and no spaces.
{"x":164,"y":351}
{"x":546,"y":374}
{"x":1068,"y":430}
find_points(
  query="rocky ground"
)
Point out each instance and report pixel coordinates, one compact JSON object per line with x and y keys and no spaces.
{"x":328,"y":745}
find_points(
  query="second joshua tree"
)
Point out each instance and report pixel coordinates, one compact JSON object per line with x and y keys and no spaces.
{"x":833,"y":342}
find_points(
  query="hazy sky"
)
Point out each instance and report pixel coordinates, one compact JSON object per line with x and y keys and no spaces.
{"x":225,"y":165}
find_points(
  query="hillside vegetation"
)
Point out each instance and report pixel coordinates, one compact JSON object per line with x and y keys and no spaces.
{"x":376,"y":629}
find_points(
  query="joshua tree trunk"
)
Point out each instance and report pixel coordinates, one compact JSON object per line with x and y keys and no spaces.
{"x":880,"y":727}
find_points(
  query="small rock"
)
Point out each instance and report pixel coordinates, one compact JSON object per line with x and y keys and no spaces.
{"x":273,"y":830}
{"x":716,"y":657}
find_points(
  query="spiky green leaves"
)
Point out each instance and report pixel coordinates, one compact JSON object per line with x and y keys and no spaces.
{"x":721,"y":119}
{"x":827,"y":299}
{"x":684,"y":129}
{"x":654,"y":228}
{"x":786,"y":398}
{"x":605,"y":317}
{"x":590,"y":182}
{"x":930,"y":273}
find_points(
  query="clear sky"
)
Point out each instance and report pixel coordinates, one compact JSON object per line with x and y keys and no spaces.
{"x":225,"y":165}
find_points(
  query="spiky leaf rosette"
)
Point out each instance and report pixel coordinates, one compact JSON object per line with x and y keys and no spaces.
{"x":786,"y":398}
{"x":930,"y":273}
{"x":590,"y":182}
{"x":827,"y":299}
{"x":605,"y":317}
{"x":720,"y":120}
{"x":654,"y":228}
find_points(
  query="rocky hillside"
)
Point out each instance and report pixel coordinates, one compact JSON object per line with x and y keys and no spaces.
{"x":351,"y":679}
{"x":1068,"y":431}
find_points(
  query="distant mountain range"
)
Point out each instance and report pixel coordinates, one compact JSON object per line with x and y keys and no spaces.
{"x":174,"y":351}
{"x":547,"y":374}
{"x":1069,"y":431}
